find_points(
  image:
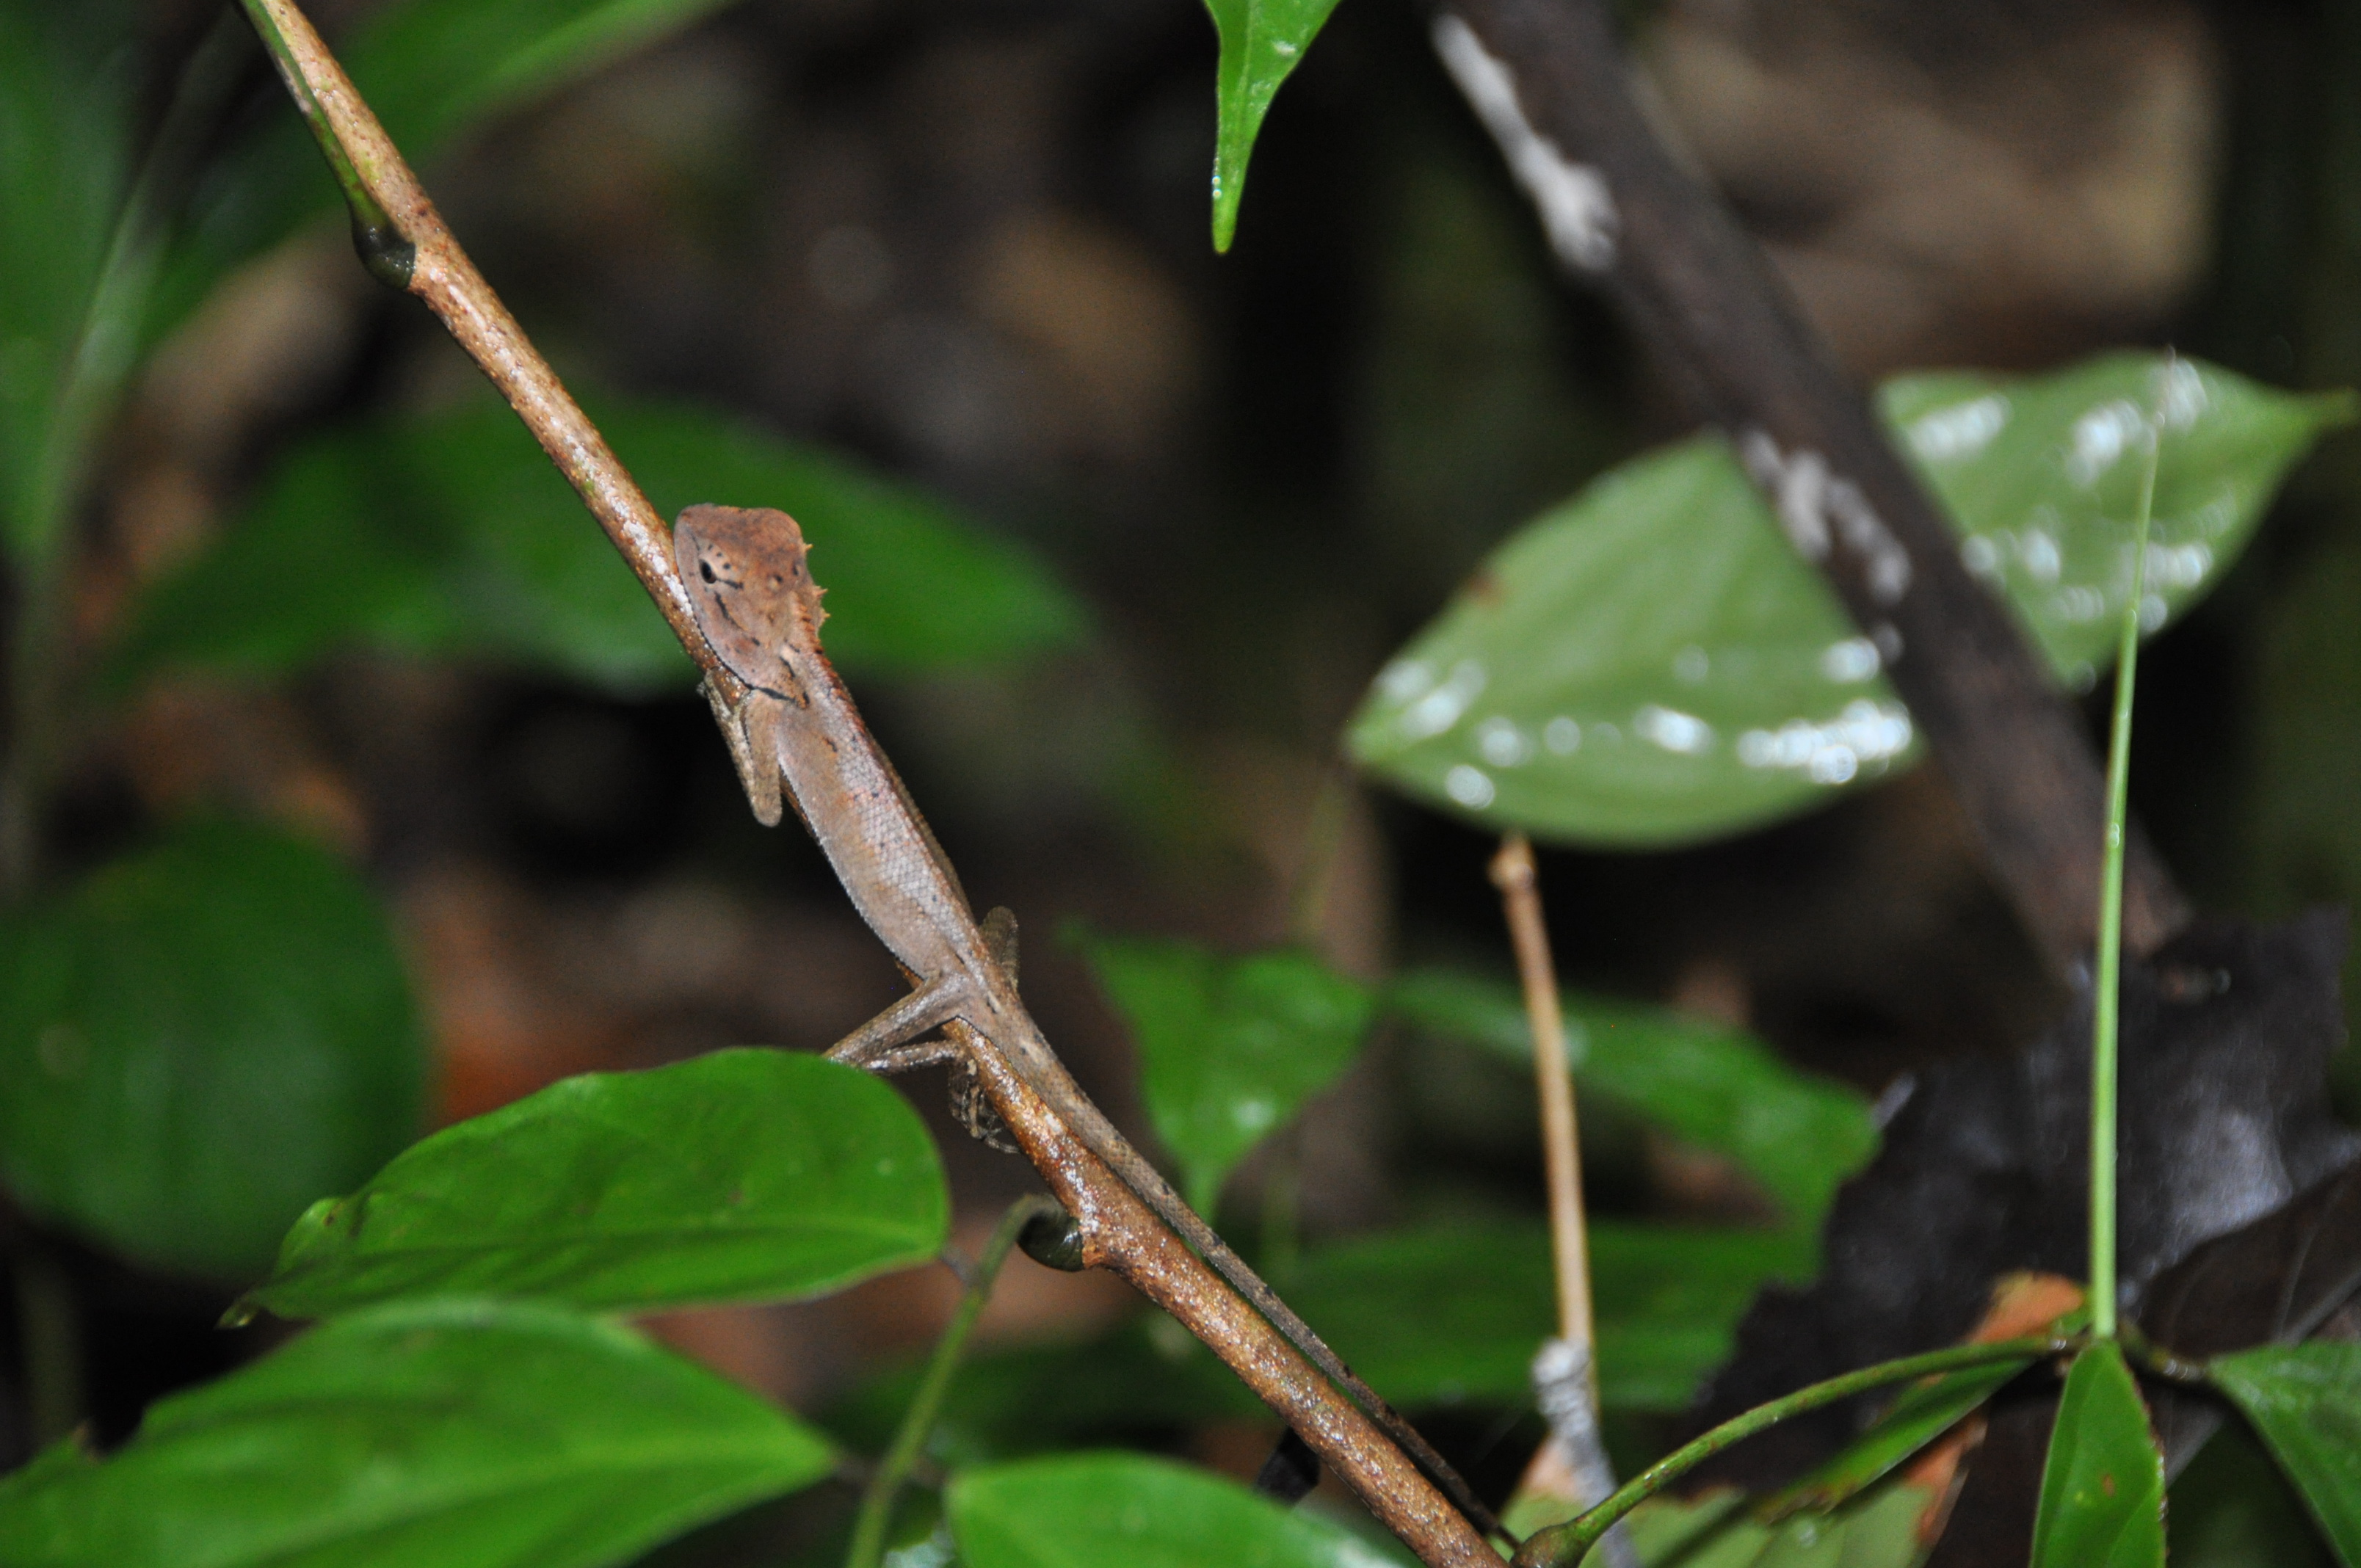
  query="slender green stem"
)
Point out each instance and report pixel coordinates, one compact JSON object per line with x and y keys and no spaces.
{"x":918,"y":1421}
{"x":1565,"y":1545}
{"x":383,"y":250}
{"x":49,"y":1332}
{"x":2107,"y":994}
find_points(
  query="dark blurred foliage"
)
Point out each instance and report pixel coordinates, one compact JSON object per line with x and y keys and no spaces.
{"x":967,"y":242}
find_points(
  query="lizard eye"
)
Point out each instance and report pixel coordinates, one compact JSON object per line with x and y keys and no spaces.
{"x":704,"y":570}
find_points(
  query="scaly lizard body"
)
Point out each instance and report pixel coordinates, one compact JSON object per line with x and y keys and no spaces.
{"x":757,"y":606}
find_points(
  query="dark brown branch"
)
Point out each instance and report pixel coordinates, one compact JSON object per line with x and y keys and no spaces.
{"x":1548,"y":79}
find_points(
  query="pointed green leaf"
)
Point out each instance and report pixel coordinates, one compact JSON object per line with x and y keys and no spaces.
{"x":1650,"y":662}
{"x":2102,"y":1486}
{"x":1090,"y":1511}
{"x":454,"y":535}
{"x":745,"y":1174}
{"x":1718,"y":1088}
{"x":463,"y":1434}
{"x":2306,"y":1401}
{"x":1229,"y":1048}
{"x":2041,"y":474}
{"x":1880,"y":1529}
{"x":198,"y":1041}
{"x":1262,"y":41}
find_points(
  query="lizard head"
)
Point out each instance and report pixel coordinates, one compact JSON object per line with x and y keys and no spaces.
{"x":745,"y":573}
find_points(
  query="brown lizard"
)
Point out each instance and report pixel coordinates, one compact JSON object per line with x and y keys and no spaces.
{"x":755,"y":599}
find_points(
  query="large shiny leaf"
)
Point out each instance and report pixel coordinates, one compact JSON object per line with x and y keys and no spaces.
{"x":739,"y":1176}
{"x":454,"y":535}
{"x":1091,"y":1511}
{"x":1229,"y":1048}
{"x":1650,"y":662}
{"x":197,"y":1042}
{"x":432,"y":70}
{"x":2306,"y":1401}
{"x":2102,"y":1486}
{"x":1262,"y":41}
{"x":461,"y":1434}
{"x":2041,"y":476}
{"x":1716,"y":1087}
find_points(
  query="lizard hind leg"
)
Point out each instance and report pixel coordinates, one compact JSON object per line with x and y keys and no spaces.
{"x":883,"y":1044}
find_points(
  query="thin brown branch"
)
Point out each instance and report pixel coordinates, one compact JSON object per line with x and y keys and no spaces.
{"x":1549,"y":82}
{"x":1118,"y":1230}
{"x":1512,"y":873}
{"x":1572,"y":1465}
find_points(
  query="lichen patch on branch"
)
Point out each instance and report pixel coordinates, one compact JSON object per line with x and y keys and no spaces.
{"x":1816,"y":507}
{"x":1576,"y":207}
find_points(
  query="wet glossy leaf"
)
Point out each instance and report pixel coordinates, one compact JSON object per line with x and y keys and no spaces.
{"x":454,"y":535}
{"x":432,"y":70}
{"x":1718,"y":1088}
{"x":200,"y":1040}
{"x":1262,"y":41}
{"x":1086,"y":1510}
{"x":1650,"y":663}
{"x":2042,"y":475}
{"x":66,"y":83}
{"x":744,"y":1175}
{"x":2102,"y":1487}
{"x":1229,"y":1048}
{"x":1400,"y":1310}
{"x":463,"y":1434}
{"x":2306,"y":1401}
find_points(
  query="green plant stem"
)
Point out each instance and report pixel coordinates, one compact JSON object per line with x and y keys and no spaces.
{"x":375,"y":235}
{"x":1561,"y":1546}
{"x":918,"y":1421}
{"x":2106,"y":1004}
{"x":50,"y":1334}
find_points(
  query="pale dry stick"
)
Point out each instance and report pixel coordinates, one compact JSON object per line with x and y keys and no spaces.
{"x":1571,"y":1463}
{"x":405,"y":242}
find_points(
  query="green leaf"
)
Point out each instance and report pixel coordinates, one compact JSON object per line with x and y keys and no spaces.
{"x":1719,"y":1088}
{"x":1650,"y":664}
{"x":2306,"y":1401}
{"x":1229,"y":1048}
{"x":432,"y":71}
{"x":2041,"y":474}
{"x":1088,"y":1510}
{"x":745,"y":1174}
{"x":1398,"y":1307}
{"x":454,"y":535}
{"x":463,"y":1434}
{"x":1878,"y":1530}
{"x":1262,"y":41}
{"x":199,"y":1040}
{"x":1923,"y":1414}
{"x":2102,"y":1486}
{"x":66,"y":86}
